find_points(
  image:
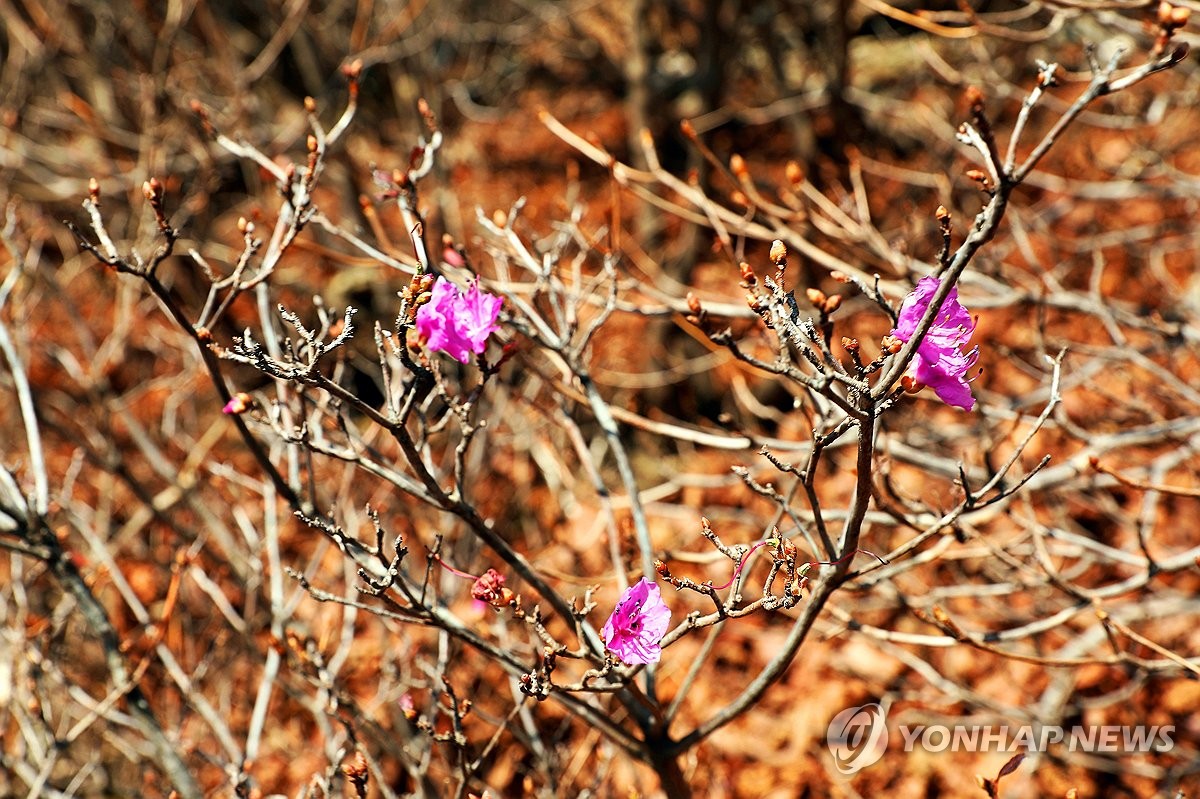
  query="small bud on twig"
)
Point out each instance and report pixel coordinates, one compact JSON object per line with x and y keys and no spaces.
{"x":152,"y":189}
{"x":353,"y":70}
{"x":698,"y":314}
{"x":816,"y":297}
{"x":239,"y":403}
{"x":794,"y":173}
{"x":943,"y":218}
{"x":198,"y":110}
{"x":778,"y":253}
{"x":356,"y":772}
{"x":979,"y":176}
{"x":974,"y":99}
{"x":427,"y":115}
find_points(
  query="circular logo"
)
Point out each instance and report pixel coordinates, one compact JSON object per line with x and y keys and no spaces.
{"x":857,"y":737}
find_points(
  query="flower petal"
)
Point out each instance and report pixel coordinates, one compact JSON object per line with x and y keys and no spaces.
{"x":458,"y":323}
{"x":939,"y":361}
{"x":635,"y":629}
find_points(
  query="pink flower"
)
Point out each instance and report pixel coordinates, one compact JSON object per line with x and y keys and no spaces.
{"x":238,"y":403}
{"x":458,"y":323}
{"x":637,"y":625}
{"x":940,"y":362}
{"x":489,"y":588}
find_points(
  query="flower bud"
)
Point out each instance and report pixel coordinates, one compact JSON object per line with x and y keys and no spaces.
{"x":850,"y":344}
{"x":239,"y":403}
{"x":832,"y":304}
{"x":839,"y":276}
{"x":891,"y":345}
{"x":355,"y":770}
{"x":778,"y":252}
{"x":794,"y":173}
{"x":152,"y":189}
{"x":693,"y":303}
{"x":748,"y":277}
{"x":737,"y":165}
{"x":816,"y":297}
{"x":974,"y":98}
{"x":978,"y":176}
{"x":910,"y":384}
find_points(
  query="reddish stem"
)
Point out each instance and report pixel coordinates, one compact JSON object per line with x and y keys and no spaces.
{"x":738,"y":569}
{"x":453,"y":570}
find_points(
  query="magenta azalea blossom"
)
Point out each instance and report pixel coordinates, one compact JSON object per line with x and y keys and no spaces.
{"x":458,"y":323}
{"x":637,"y":625}
{"x":940,"y":362}
{"x":238,"y":403}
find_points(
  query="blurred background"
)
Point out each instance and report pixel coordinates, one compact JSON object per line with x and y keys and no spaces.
{"x":858,"y":101}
